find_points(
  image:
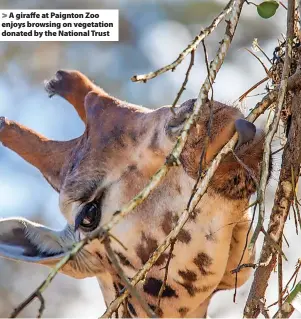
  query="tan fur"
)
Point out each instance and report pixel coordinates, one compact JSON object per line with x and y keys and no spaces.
{"x":122,"y":147}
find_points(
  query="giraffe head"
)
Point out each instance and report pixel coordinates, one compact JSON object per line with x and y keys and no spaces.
{"x":122,"y":146}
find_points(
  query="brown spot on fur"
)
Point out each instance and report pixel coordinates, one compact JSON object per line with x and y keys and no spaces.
{"x":183,"y":311}
{"x":118,"y":136}
{"x":210,"y":236}
{"x":184,"y":236}
{"x":154,"y":143}
{"x":191,"y":289}
{"x":225,"y":285}
{"x":205,"y":288}
{"x":109,"y":261}
{"x":153,"y":285}
{"x":167,"y":226}
{"x":132,"y":168}
{"x":194,"y":214}
{"x":146,"y":248}
{"x":188,"y":275}
{"x":167,"y":223}
{"x":133,"y":136}
{"x":123,"y":260}
{"x":203,"y":261}
{"x":162,"y":259}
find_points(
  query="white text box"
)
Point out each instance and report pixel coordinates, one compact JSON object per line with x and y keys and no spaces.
{"x":59,"y":25}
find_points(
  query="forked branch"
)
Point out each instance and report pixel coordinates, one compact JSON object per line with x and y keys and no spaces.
{"x":189,"y":49}
{"x":285,"y":193}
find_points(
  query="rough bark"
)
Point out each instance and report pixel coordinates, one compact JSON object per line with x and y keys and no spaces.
{"x":291,"y":160}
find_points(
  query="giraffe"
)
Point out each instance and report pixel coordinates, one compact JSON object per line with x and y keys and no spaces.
{"x":95,"y":174}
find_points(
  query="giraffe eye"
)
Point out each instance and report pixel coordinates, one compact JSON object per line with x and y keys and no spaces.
{"x":89,"y":217}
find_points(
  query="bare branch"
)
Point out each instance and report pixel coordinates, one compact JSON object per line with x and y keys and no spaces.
{"x":42,"y":305}
{"x":191,"y":47}
{"x":287,"y":308}
{"x":280,"y":278}
{"x":265,"y":167}
{"x":242,"y":266}
{"x":183,"y":87}
{"x":166,"y":267}
{"x":132,"y":290}
{"x":284,"y":194}
{"x":259,"y":60}
{"x":244,"y":95}
{"x":293,"y":277}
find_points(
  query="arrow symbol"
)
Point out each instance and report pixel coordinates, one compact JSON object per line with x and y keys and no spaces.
{"x":4,"y":15}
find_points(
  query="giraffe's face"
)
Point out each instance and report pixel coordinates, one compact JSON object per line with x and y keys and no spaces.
{"x":96,"y":174}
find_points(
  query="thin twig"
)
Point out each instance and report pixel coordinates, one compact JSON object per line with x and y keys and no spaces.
{"x":132,"y":290}
{"x":248,"y":265}
{"x":293,"y":277}
{"x":259,"y":60}
{"x":273,"y":244}
{"x":42,"y":305}
{"x":172,"y":245}
{"x":242,"y":266}
{"x":183,"y":87}
{"x":287,"y":308}
{"x":280,"y":278}
{"x":261,"y":50}
{"x":250,"y":2}
{"x":244,"y":251}
{"x":244,"y":95}
{"x":38,"y":292}
{"x":246,"y":167}
{"x":296,"y":203}
{"x":191,"y":47}
{"x":263,"y":309}
{"x":283,"y":235}
{"x":284,"y":6}
{"x":265,"y":166}
{"x":277,"y":151}
{"x":202,"y":162}
{"x":284,"y":190}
